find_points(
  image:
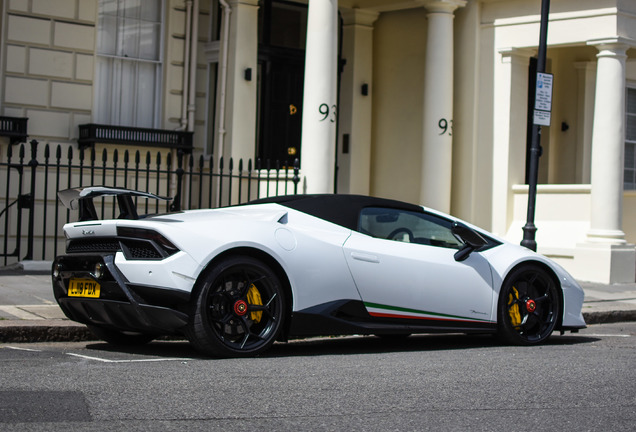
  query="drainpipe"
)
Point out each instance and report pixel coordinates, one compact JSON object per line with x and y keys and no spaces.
{"x":193,"y":65}
{"x":186,"y":65}
{"x":227,"y":10}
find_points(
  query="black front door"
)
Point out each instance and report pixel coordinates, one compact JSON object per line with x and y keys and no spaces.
{"x":281,"y":66}
{"x":280,"y":106}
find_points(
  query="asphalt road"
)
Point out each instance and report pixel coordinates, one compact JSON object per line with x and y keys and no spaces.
{"x":575,"y":382}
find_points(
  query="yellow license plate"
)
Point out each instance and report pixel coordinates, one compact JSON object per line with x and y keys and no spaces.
{"x":83,"y":288}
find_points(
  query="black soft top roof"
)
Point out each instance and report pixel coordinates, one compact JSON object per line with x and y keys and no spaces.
{"x":342,"y":210}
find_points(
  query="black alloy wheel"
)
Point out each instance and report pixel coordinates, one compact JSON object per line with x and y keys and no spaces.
{"x":529,"y":306}
{"x":239,"y":310}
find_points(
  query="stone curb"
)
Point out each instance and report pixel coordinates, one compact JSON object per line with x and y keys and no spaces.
{"x":607,"y":317}
{"x":31,"y":331}
{"x":45,"y":333}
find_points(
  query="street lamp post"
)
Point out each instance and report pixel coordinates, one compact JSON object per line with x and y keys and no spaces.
{"x":529,"y":229}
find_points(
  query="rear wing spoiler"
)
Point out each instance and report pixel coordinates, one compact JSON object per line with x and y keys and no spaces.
{"x":82,"y":199}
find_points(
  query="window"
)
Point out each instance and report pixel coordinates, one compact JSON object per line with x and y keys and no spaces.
{"x":129,"y":63}
{"x":407,"y":226}
{"x":630,"y":140}
{"x":282,"y":24}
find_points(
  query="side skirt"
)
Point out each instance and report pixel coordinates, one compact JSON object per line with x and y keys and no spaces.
{"x":344,"y":317}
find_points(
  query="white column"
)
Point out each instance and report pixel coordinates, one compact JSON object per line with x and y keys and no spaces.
{"x":608,"y":144}
{"x":605,"y":256}
{"x":510,"y":118}
{"x":586,"y":77}
{"x":354,"y":159}
{"x":318,"y":144}
{"x":240,"y":109}
{"x":437,"y":150}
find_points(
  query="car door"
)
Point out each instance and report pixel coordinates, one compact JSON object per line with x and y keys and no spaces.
{"x":403,"y":266}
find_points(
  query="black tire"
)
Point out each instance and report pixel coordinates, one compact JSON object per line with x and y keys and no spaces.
{"x":238,"y":310}
{"x":120,"y":338}
{"x":529,"y":306}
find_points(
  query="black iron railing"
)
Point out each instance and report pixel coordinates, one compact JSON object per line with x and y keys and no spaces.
{"x":15,"y":128}
{"x":31,"y":216}
{"x":90,"y":134}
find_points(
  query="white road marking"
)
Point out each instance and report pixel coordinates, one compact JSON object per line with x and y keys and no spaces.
{"x":606,"y":335}
{"x":22,"y":349}
{"x":103,"y":360}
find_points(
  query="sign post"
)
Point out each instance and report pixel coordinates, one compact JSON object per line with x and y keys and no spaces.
{"x":543,"y":100}
{"x":541,"y":117}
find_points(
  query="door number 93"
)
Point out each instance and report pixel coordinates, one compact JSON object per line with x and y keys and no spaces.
{"x":327,"y":112}
{"x":446,"y":127}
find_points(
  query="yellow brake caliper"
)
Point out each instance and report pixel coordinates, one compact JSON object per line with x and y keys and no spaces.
{"x":513,"y":309}
{"x":254,"y":298}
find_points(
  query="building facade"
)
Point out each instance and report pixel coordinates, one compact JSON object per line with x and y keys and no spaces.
{"x":420,"y":100}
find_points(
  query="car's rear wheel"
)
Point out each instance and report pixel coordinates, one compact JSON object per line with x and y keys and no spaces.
{"x":529,"y":306}
{"x":120,"y":338}
{"x":238,"y":310}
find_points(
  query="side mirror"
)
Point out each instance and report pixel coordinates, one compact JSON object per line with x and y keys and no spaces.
{"x":472,"y":240}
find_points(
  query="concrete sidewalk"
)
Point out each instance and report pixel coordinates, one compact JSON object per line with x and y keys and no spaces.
{"x":29,"y":313}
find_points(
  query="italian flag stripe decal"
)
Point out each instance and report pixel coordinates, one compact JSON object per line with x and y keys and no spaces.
{"x":384,"y":311}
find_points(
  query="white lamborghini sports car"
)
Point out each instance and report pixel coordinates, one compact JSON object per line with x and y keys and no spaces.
{"x":233,"y":280}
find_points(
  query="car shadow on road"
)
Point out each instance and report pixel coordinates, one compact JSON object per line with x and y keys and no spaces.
{"x":161,"y":348}
{"x":343,"y":345}
{"x":414,"y":343}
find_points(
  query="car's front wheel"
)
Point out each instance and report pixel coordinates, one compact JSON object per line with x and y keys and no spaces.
{"x":529,"y":305}
{"x":238,"y":310}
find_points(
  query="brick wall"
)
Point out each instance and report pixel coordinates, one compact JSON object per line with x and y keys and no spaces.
{"x":49,"y":64}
